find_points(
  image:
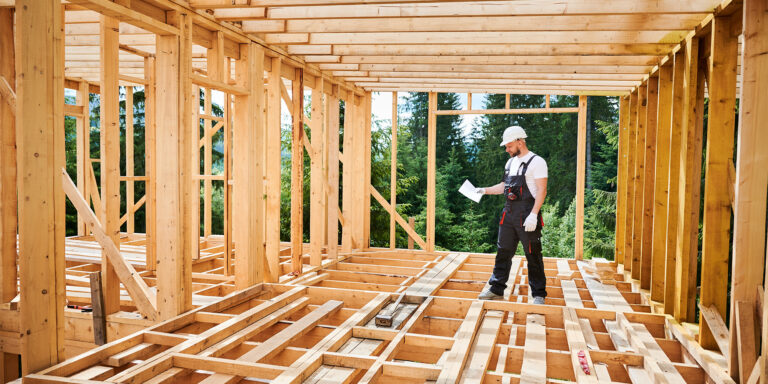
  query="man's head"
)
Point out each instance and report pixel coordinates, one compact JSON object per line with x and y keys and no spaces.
{"x":514,"y":140}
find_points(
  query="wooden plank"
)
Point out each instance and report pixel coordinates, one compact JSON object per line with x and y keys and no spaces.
{"x":581,"y":156}
{"x":332,"y":131}
{"x":142,"y":297}
{"x":39,"y":104}
{"x":673,"y":206}
{"x":637,"y":212}
{"x":272,"y":161}
{"x":110,"y":154}
{"x":717,"y":327}
{"x":621,"y":181}
{"x":578,"y":347}
{"x":571,"y":294}
{"x":431,"y":164}
{"x":280,"y":340}
{"x":534,"y":368}
{"x":318,"y":185}
{"x":657,"y":363}
{"x":8,"y":196}
{"x":150,"y":161}
{"x":173,"y":246}
{"x":716,"y":229}
{"x":746,"y":338}
{"x":751,"y":180}
{"x":646,"y":250}
{"x":690,"y":179}
{"x":661,"y":182}
{"x":393,"y":173}
{"x":631,"y":176}
{"x":482,"y":348}
{"x":97,"y":303}
{"x":399,"y":219}
{"x":248,"y":175}
{"x":366,"y":203}
{"x":130,"y":200}
{"x":297,"y":173}
{"x":457,"y":356}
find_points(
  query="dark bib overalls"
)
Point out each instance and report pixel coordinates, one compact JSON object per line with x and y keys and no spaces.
{"x":519,"y":203}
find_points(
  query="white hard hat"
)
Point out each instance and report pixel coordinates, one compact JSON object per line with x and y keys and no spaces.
{"x":511,"y":134}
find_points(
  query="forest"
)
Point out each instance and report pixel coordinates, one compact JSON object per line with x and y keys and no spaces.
{"x":474,"y":154}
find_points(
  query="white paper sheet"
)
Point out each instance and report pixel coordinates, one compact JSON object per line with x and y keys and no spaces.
{"x":469,"y":190}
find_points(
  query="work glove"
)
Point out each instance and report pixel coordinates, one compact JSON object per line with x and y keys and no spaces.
{"x":480,"y":191}
{"x":530,"y":222}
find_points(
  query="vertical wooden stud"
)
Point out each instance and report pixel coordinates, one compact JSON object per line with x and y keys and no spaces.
{"x":272,"y":162}
{"x":83,"y":148}
{"x":248,"y":167}
{"x":717,"y":202}
{"x":366,"y":208}
{"x":40,"y":103}
{"x":297,"y":173}
{"x":690,"y":179}
{"x":646,"y":253}
{"x":393,"y":172}
{"x":637,"y":220}
{"x":110,"y":154}
{"x":673,"y":204}
{"x":150,"y":168}
{"x":751,"y":178}
{"x":581,"y":157}
{"x":431,"y":164}
{"x":621,"y":184}
{"x":129,"y":182}
{"x":661,"y":182}
{"x":631,"y":177}
{"x":317,"y":200}
{"x":332,"y":131}
{"x":8,"y":202}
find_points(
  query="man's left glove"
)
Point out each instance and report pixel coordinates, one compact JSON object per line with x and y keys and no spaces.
{"x":530,"y":222}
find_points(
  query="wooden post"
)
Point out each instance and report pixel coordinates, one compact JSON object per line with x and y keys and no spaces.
{"x":150,"y":156}
{"x":129,"y":182}
{"x":621,"y":183}
{"x":348,"y":178}
{"x":332,"y":132}
{"x":207,"y":165}
{"x":431,"y":163}
{"x":717,"y":201}
{"x":366,"y":208}
{"x":631,"y":176}
{"x":637,"y":220}
{"x":83,"y":148}
{"x":393,"y":173}
{"x":97,"y":305}
{"x":581,"y":156}
{"x":661,"y":182}
{"x":751,"y":178}
{"x":8,"y":202}
{"x":673,"y":204}
{"x":272,"y":162}
{"x":412,"y":224}
{"x":173,"y":178}
{"x":40,"y":143}
{"x":690,"y":179}
{"x":297,"y":173}
{"x":648,"y":181}
{"x":248,"y":167}
{"x":317,"y":201}
{"x":110,"y":154}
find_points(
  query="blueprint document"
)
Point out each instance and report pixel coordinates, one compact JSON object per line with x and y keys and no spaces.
{"x":469,"y":190}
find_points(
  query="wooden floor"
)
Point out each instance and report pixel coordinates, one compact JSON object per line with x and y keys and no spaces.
{"x":320,"y":327}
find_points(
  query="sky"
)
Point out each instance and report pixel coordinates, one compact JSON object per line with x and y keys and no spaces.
{"x":381,"y":107}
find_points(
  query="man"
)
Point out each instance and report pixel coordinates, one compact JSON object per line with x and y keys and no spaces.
{"x":524,"y":187}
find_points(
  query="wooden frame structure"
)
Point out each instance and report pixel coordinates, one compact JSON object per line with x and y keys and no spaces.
{"x":182,"y":287}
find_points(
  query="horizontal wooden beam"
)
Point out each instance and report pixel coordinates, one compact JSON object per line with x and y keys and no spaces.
{"x":506,"y":111}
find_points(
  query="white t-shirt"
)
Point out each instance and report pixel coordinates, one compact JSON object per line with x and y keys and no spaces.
{"x":537,"y":169}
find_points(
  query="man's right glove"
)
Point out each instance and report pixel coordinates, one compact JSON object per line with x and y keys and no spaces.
{"x":530,"y":222}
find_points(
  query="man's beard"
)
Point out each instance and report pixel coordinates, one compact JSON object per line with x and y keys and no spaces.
{"x":515,"y":153}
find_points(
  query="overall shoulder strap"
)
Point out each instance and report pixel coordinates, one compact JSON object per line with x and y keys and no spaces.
{"x":524,"y":166}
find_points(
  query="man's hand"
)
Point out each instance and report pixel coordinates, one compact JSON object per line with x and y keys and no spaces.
{"x":530,"y":222}
{"x":480,"y":191}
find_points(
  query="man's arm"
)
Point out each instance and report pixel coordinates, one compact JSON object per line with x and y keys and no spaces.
{"x":497,"y":189}
{"x":541,"y":187}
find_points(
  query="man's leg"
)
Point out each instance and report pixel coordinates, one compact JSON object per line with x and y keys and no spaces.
{"x":506,"y":246}
{"x":537,"y":281}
